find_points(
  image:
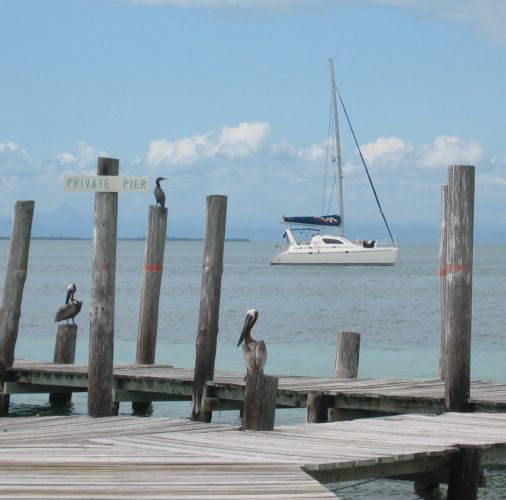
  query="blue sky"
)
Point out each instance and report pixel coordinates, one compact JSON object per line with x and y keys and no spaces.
{"x":225,"y":98}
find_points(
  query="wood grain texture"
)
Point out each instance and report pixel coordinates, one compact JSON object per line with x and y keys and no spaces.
{"x":209,"y":310}
{"x":103,"y":281}
{"x":347,"y":355}
{"x":151,"y":285}
{"x":128,"y":457}
{"x":259,"y":409}
{"x":442,"y":281}
{"x":64,"y":353}
{"x":15,"y":276}
{"x":458,"y":274}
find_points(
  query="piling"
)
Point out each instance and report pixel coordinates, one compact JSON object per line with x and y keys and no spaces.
{"x":347,"y":355}
{"x":442,"y":281}
{"x":150,"y":292}
{"x":207,"y":330}
{"x":464,"y":477}
{"x":15,"y":276}
{"x":100,"y":379}
{"x":259,"y":409}
{"x":64,"y":353}
{"x":346,"y":366}
{"x":457,"y":274}
{"x":317,"y":408}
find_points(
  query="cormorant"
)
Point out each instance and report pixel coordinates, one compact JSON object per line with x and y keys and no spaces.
{"x":71,"y":308}
{"x":254,"y":352}
{"x":159,"y":194}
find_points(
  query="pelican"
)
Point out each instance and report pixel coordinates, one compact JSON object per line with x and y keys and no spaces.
{"x":254,"y":352}
{"x":71,"y":307}
{"x":159,"y":194}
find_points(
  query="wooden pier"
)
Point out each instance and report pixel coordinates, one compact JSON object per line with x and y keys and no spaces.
{"x":131,"y":457}
{"x":226,"y":391}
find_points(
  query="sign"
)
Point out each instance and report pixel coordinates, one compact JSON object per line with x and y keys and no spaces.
{"x":107,"y":183}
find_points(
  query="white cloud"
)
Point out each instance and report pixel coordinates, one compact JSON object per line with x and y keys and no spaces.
{"x":385,"y":149}
{"x":449,"y":150}
{"x":485,"y":16}
{"x":84,"y":157}
{"x":230,"y":142}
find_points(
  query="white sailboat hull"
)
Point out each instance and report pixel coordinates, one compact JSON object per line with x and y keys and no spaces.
{"x":341,"y":252}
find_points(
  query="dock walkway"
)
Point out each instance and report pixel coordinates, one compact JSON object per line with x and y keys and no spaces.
{"x":226,"y":391}
{"x":132,"y":457}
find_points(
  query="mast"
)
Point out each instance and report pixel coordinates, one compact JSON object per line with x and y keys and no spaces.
{"x":338,"y":148}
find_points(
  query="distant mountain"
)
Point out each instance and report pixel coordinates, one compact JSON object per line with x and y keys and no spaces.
{"x":70,"y":222}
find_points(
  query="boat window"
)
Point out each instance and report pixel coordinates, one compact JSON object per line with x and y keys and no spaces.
{"x":332,"y":241}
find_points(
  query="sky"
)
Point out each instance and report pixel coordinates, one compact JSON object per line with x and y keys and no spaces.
{"x":232,"y":97}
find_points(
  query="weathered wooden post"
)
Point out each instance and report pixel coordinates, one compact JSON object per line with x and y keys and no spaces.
{"x":100,"y":377}
{"x":346,"y":366}
{"x":458,"y":274}
{"x":442,"y":281}
{"x":317,"y":408}
{"x":259,"y":409}
{"x":207,"y":331}
{"x":347,"y":355}
{"x":64,"y":353}
{"x":15,"y":276}
{"x":464,"y":477}
{"x":150,"y":293}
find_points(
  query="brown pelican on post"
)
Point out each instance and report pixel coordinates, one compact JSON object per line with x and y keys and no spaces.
{"x":159,"y":194}
{"x":71,"y":308}
{"x":254,"y":352}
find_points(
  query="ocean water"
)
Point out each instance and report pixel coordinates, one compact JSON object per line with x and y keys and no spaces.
{"x":396,"y":310}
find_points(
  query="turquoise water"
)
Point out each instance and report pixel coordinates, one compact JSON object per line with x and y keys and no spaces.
{"x":396,"y":310}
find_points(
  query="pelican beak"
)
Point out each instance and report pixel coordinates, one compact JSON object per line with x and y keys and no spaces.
{"x":69,"y":294}
{"x":249,"y":321}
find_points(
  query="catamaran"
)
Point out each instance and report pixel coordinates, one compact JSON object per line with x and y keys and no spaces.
{"x":312,"y":245}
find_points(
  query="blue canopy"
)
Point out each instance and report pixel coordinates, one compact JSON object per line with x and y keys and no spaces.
{"x":317,"y":220}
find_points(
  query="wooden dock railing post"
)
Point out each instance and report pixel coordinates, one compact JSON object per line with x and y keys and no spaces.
{"x":15,"y":276}
{"x":458,"y":273}
{"x":64,"y":353}
{"x":207,"y":330}
{"x":346,"y":366}
{"x":150,"y":292}
{"x":100,"y":366}
{"x":259,"y":409}
{"x":442,"y":281}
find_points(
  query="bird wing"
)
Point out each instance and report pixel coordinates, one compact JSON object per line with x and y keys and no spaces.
{"x":260,"y":355}
{"x":64,"y":312}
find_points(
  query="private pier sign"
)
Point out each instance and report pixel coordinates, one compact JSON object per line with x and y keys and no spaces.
{"x":106,"y":183}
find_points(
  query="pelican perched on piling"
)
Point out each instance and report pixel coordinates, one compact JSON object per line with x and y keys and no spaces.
{"x":159,"y":194}
{"x":254,"y":352}
{"x":71,"y":308}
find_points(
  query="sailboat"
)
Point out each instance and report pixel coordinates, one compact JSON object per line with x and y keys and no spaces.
{"x":314,"y":246}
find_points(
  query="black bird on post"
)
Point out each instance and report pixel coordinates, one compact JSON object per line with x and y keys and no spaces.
{"x":71,"y":308}
{"x":159,"y":194}
{"x":254,"y":352}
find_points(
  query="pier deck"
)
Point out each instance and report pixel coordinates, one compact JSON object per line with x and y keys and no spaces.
{"x":166,"y":383}
{"x":121,"y":457}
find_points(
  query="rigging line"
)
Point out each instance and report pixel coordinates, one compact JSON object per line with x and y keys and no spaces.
{"x":365,"y":166}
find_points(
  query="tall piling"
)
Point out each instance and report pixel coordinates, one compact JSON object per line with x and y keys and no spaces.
{"x":15,"y":276}
{"x":458,"y":273}
{"x":100,"y":378}
{"x":207,"y":329}
{"x":64,"y":353}
{"x":150,"y":291}
{"x":442,"y":281}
